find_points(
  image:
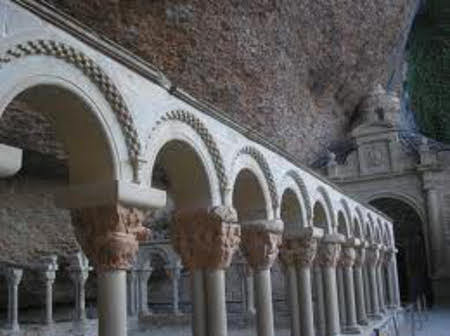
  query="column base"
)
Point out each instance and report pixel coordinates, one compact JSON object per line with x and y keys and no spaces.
{"x":363,"y":322}
{"x":351,"y":330}
{"x":376,"y":316}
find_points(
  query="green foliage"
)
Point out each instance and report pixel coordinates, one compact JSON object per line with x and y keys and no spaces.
{"x":429,"y":69}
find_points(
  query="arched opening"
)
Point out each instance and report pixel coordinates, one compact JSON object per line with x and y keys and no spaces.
{"x":248,"y":197}
{"x":357,"y":230}
{"x":320,"y":219}
{"x":342,"y":225}
{"x":64,"y":142}
{"x":291,"y":212}
{"x":410,"y":242}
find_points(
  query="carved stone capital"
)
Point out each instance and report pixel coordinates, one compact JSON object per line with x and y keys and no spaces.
{"x":348,"y":256}
{"x":372,"y":255}
{"x":328,"y":254}
{"x":360,"y":256}
{"x":206,"y":238}
{"x":300,"y":251}
{"x":13,"y":276}
{"x":388,"y":257}
{"x":260,"y":246}
{"x":109,"y":234}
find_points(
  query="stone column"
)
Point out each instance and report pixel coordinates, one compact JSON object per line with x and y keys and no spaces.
{"x":435,"y":230}
{"x":13,"y":278}
{"x":144,"y":273}
{"x":360,"y":256}
{"x":175,"y":274}
{"x":367,"y":298}
{"x":261,"y":241}
{"x":321,"y":318}
{"x":395,"y":279}
{"x":379,"y":274}
{"x":109,"y":236}
{"x":79,"y":272}
{"x":372,"y":257}
{"x":306,"y":248}
{"x":328,"y":255}
{"x":341,"y":296}
{"x":390,"y":277}
{"x":48,"y":266}
{"x":206,"y":241}
{"x":248,"y":289}
{"x":131,"y":292}
{"x":288,"y":259}
{"x":347,"y":260}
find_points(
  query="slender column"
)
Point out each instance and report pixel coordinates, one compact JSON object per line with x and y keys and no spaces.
{"x":328,"y":254}
{"x":109,"y":236}
{"x":368,"y":299}
{"x":143,"y":275}
{"x":261,"y":241}
{"x":79,"y":272}
{"x":306,"y":252}
{"x":395,"y":280}
{"x":359,"y":284}
{"x":435,"y":231}
{"x":348,"y":256}
{"x":206,"y":241}
{"x":341,"y":296}
{"x":175,"y":272}
{"x":248,"y":290}
{"x":13,"y":277}
{"x":390,"y":277}
{"x":379,"y":274}
{"x":373,"y":255}
{"x":320,"y":304}
{"x":131,"y":292}
{"x":288,"y":258}
{"x":48,"y":265}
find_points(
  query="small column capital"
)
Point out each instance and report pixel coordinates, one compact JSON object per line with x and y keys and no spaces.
{"x":300,"y":251}
{"x":329,"y":250}
{"x":13,"y":275}
{"x":261,"y":241}
{"x":79,"y":267}
{"x":372,"y":255}
{"x":206,"y":238}
{"x":360,"y":256}
{"x":348,"y":256}
{"x":109,"y":234}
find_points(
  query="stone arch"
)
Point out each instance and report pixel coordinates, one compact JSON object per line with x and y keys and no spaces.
{"x":357,"y":228}
{"x":321,"y":216}
{"x":250,"y":160}
{"x":370,"y":229}
{"x":200,"y":128}
{"x":93,"y":72}
{"x":302,"y":193}
{"x":343,"y":226}
{"x":174,"y":130}
{"x":361,"y":221}
{"x":292,"y":209}
{"x":323,"y":195}
{"x":347,"y":215}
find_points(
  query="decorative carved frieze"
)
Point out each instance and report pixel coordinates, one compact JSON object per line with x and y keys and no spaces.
{"x":109,"y":234}
{"x":206,"y":238}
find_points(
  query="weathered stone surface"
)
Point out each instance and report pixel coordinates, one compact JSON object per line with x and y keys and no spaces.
{"x":293,"y":70}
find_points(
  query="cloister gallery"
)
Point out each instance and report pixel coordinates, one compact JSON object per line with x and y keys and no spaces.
{"x":234,"y":195}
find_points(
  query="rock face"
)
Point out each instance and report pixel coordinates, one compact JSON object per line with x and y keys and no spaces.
{"x":294,"y":70}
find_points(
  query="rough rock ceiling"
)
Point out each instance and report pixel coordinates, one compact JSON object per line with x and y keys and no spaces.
{"x":293,"y":70}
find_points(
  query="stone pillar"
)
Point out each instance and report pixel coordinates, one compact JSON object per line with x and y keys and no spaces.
{"x":206,"y":241}
{"x":321,"y":318}
{"x":109,"y":236}
{"x":131,"y":292}
{"x":390,"y":277}
{"x":261,"y":241}
{"x":144,"y":273}
{"x":306,"y":247}
{"x":361,"y":311}
{"x":13,"y":278}
{"x":380,"y":280}
{"x":368,"y":299}
{"x":48,"y":265}
{"x":79,"y":272}
{"x":175,"y":274}
{"x":347,"y":260}
{"x":372,"y":257}
{"x":341,"y":296}
{"x":395,"y":280}
{"x":288,"y":259}
{"x":435,"y":230}
{"x":248,"y":289}
{"x":328,"y":255}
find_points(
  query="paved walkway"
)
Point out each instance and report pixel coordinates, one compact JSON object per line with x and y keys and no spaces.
{"x":437,"y":324}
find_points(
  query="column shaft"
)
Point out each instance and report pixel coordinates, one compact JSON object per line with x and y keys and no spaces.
{"x":341,"y":298}
{"x":217,"y":315}
{"x":331,"y":301}
{"x":359,"y":296}
{"x":250,"y":293}
{"x":375,"y":309}
{"x":199,"y":317}
{"x":264,"y":309}
{"x":320,"y":304}
{"x":305,"y":301}
{"x":379,"y":271}
{"x":13,"y":304}
{"x":350,"y":299}
{"x":49,"y":301}
{"x":176,"y":291}
{"x":112,"y":300}
{"x":293,"y":297}
{"x":367,"y":292}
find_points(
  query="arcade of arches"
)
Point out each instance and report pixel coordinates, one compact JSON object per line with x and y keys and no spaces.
{"x":136,"y":155}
